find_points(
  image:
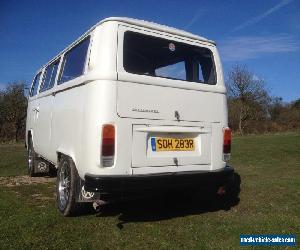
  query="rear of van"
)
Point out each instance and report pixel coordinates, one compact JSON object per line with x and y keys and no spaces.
{"x":170,"y":124}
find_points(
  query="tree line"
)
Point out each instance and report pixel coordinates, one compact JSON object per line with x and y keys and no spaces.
{"x":251,"y":109}
{"x":13,"y":109}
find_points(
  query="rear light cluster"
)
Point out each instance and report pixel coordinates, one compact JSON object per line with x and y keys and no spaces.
{"x":226,"y":144}
{"x":108,"y":145}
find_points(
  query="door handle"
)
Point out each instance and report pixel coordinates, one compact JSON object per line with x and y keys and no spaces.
{"x":36,"y":110}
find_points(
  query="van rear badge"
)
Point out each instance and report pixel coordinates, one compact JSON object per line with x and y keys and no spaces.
{"x":177,"y":116}
{"x":155,"y":111}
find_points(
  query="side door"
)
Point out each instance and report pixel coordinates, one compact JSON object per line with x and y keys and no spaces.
{"x":44,"y":110}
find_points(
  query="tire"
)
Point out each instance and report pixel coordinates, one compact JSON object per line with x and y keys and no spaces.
{"x":67,"y":177}
{"x":31,"y":158}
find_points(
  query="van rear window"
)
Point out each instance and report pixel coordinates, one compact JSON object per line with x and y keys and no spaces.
{"x":158,"y":57}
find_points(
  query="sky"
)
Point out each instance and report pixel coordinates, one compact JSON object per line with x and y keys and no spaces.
{"x":263,"y":35}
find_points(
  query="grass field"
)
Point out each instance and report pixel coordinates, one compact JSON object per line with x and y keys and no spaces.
{"x":269,"y":166}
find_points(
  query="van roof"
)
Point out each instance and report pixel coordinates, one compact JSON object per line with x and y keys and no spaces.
{"x":155,"y":26}
{"x":132,"y":21}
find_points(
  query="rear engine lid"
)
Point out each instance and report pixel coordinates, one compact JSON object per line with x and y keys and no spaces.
{"x":154,"y":102}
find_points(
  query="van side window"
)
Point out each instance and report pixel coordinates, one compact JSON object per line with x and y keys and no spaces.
{"x":49,"y":76}
{"x":35,"y":85}
{"x":159,"y":57}
{"x":74,"y":61}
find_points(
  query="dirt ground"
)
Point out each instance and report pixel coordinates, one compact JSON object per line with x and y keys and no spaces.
{"x":13,"y":181}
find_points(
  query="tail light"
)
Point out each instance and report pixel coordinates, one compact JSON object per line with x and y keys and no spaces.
{"x":108,"y":145}
{"x":226,"y":144}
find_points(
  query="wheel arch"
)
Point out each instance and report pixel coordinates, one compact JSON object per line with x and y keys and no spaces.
{"x":62,"y":152}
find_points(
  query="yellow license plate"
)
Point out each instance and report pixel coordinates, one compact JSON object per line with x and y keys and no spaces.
{"x":172,"y":144}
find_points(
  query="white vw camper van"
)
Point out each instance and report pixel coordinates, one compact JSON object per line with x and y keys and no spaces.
{"x":129,"y":106}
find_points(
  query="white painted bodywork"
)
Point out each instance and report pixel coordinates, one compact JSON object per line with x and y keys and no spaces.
{"x":68,"y":118}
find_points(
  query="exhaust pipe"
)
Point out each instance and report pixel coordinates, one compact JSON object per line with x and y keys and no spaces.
{"x":97,"y":205}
